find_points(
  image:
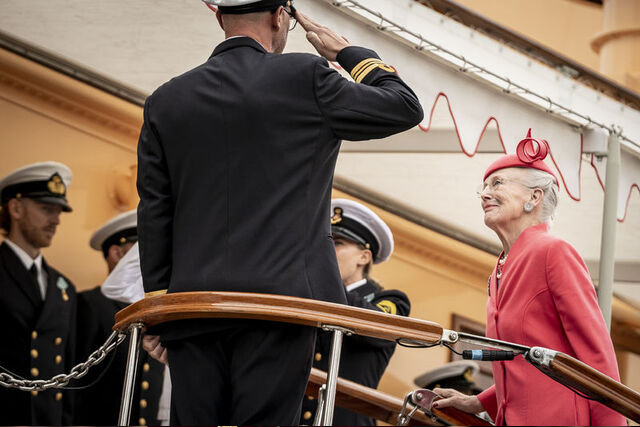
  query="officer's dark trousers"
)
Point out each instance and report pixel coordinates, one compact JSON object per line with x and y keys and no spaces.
{"x":254,"y":374}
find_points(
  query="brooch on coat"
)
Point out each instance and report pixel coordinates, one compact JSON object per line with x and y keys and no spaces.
{"x":63,"y":285}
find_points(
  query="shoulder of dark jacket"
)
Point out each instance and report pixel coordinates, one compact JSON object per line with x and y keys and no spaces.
{"x":56,"y":274}
{"x":95,"y":298}
{"x":392,"y":301}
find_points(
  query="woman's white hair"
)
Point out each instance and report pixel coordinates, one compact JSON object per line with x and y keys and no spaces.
{"x":535,"y":178}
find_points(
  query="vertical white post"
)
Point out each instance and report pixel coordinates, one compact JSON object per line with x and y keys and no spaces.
{"x":609,"y":225}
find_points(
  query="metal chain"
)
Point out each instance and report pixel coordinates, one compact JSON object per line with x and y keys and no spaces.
{"x":61,"y":380}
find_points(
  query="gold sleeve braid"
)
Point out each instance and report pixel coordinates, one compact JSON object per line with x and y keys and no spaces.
{"x":365,"y":66}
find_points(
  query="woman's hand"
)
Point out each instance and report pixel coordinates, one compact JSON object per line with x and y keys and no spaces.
{"x":450,"y":398}
{"x":151,"y":343}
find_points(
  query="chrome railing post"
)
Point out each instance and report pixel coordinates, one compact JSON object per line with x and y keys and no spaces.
{"x":135,"y":336}
{"x":332,"y":373}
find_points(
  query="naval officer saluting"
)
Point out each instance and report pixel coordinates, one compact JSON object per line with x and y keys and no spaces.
{"x":37,"y":303}
{"x":100,"y":403}
{"x":361,"y":238}
{"x":235,"y":165}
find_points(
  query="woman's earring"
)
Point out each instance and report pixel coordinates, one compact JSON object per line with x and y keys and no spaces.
{"x":528,"y":206}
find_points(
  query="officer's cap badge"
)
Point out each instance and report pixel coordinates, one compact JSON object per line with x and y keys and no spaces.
{"x":55,"y":185}
{"x":337,"y":215}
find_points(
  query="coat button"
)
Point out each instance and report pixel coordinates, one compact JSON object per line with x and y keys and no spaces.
{"x":307,"y":415}
{"x":34,"y":335}
{"x":34,"y":353}
{"x":58,"y":341}
{"x":145,"y":385}
{"x":143,"y":403}
{"x":58,"y":396}
{"x":58,"y":359}
{"x":142,"y":422}
{"x":34,"y":393}
{"x":34,"y":372}
{"x":146,"y":367}
{"x":318,"y":357}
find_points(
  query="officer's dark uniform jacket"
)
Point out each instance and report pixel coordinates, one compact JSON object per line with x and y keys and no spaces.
{"x":235,"y":167}
{"x":363,"y":360}
{"x":100,"y":403}
{"x":38,"y":341}
{"x":236,"y":161}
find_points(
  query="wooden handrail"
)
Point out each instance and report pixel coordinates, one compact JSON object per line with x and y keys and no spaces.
{"x":196,"y":305}
{"x":384,"y":407}
{"x":156,"y":310}
{"x":594,"y":384}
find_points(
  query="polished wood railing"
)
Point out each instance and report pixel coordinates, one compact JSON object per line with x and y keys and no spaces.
{"x":594,"y":384}
{"x":385,"y":407}
{"x":191,"y":305}
{"x":302,"y":311}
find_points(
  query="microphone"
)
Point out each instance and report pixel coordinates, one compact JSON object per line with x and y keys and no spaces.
{"x":488,"y":355}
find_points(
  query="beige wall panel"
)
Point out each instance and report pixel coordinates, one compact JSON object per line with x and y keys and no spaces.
{"x":619,"y":42}
{"x":28,"y":137}
{"x":46,"y":116}
{"x":562,"y":25}
{"x":632,"y":368}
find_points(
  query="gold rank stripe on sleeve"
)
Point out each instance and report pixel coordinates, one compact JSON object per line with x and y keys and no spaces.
{"x":361,"y":65}
{"x":370,"y":68}
{"x":363,"y":68}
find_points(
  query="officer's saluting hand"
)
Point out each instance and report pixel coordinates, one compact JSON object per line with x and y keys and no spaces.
{"x":324,"y":39}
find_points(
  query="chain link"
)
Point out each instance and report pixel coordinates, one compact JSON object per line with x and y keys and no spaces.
{"x":61,"y":380}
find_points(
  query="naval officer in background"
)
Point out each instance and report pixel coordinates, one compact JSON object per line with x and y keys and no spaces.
{"x":361,"y":238}
{"x":37,"y":303}
{"x":99,"y":404}
{"x":235,"y":166}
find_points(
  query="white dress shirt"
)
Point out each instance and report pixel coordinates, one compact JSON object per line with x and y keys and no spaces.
{"x":28,"y":262}
{"x":355,"y":285}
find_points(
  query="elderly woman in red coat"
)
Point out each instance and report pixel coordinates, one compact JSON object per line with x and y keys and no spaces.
{"x":540,"y":294}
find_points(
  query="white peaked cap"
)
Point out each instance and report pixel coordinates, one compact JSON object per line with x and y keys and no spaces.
{"x":118,"y":224}
{"x":45,"y":181}
{"x":357,"y":222}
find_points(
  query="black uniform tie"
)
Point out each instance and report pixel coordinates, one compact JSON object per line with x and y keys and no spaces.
{"x":33,"y":271}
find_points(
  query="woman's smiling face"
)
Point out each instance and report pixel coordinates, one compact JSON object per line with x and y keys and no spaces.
{"x":503,"y":195}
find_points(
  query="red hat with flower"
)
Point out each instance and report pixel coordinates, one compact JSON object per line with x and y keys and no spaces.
{"x":529,"y":154}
